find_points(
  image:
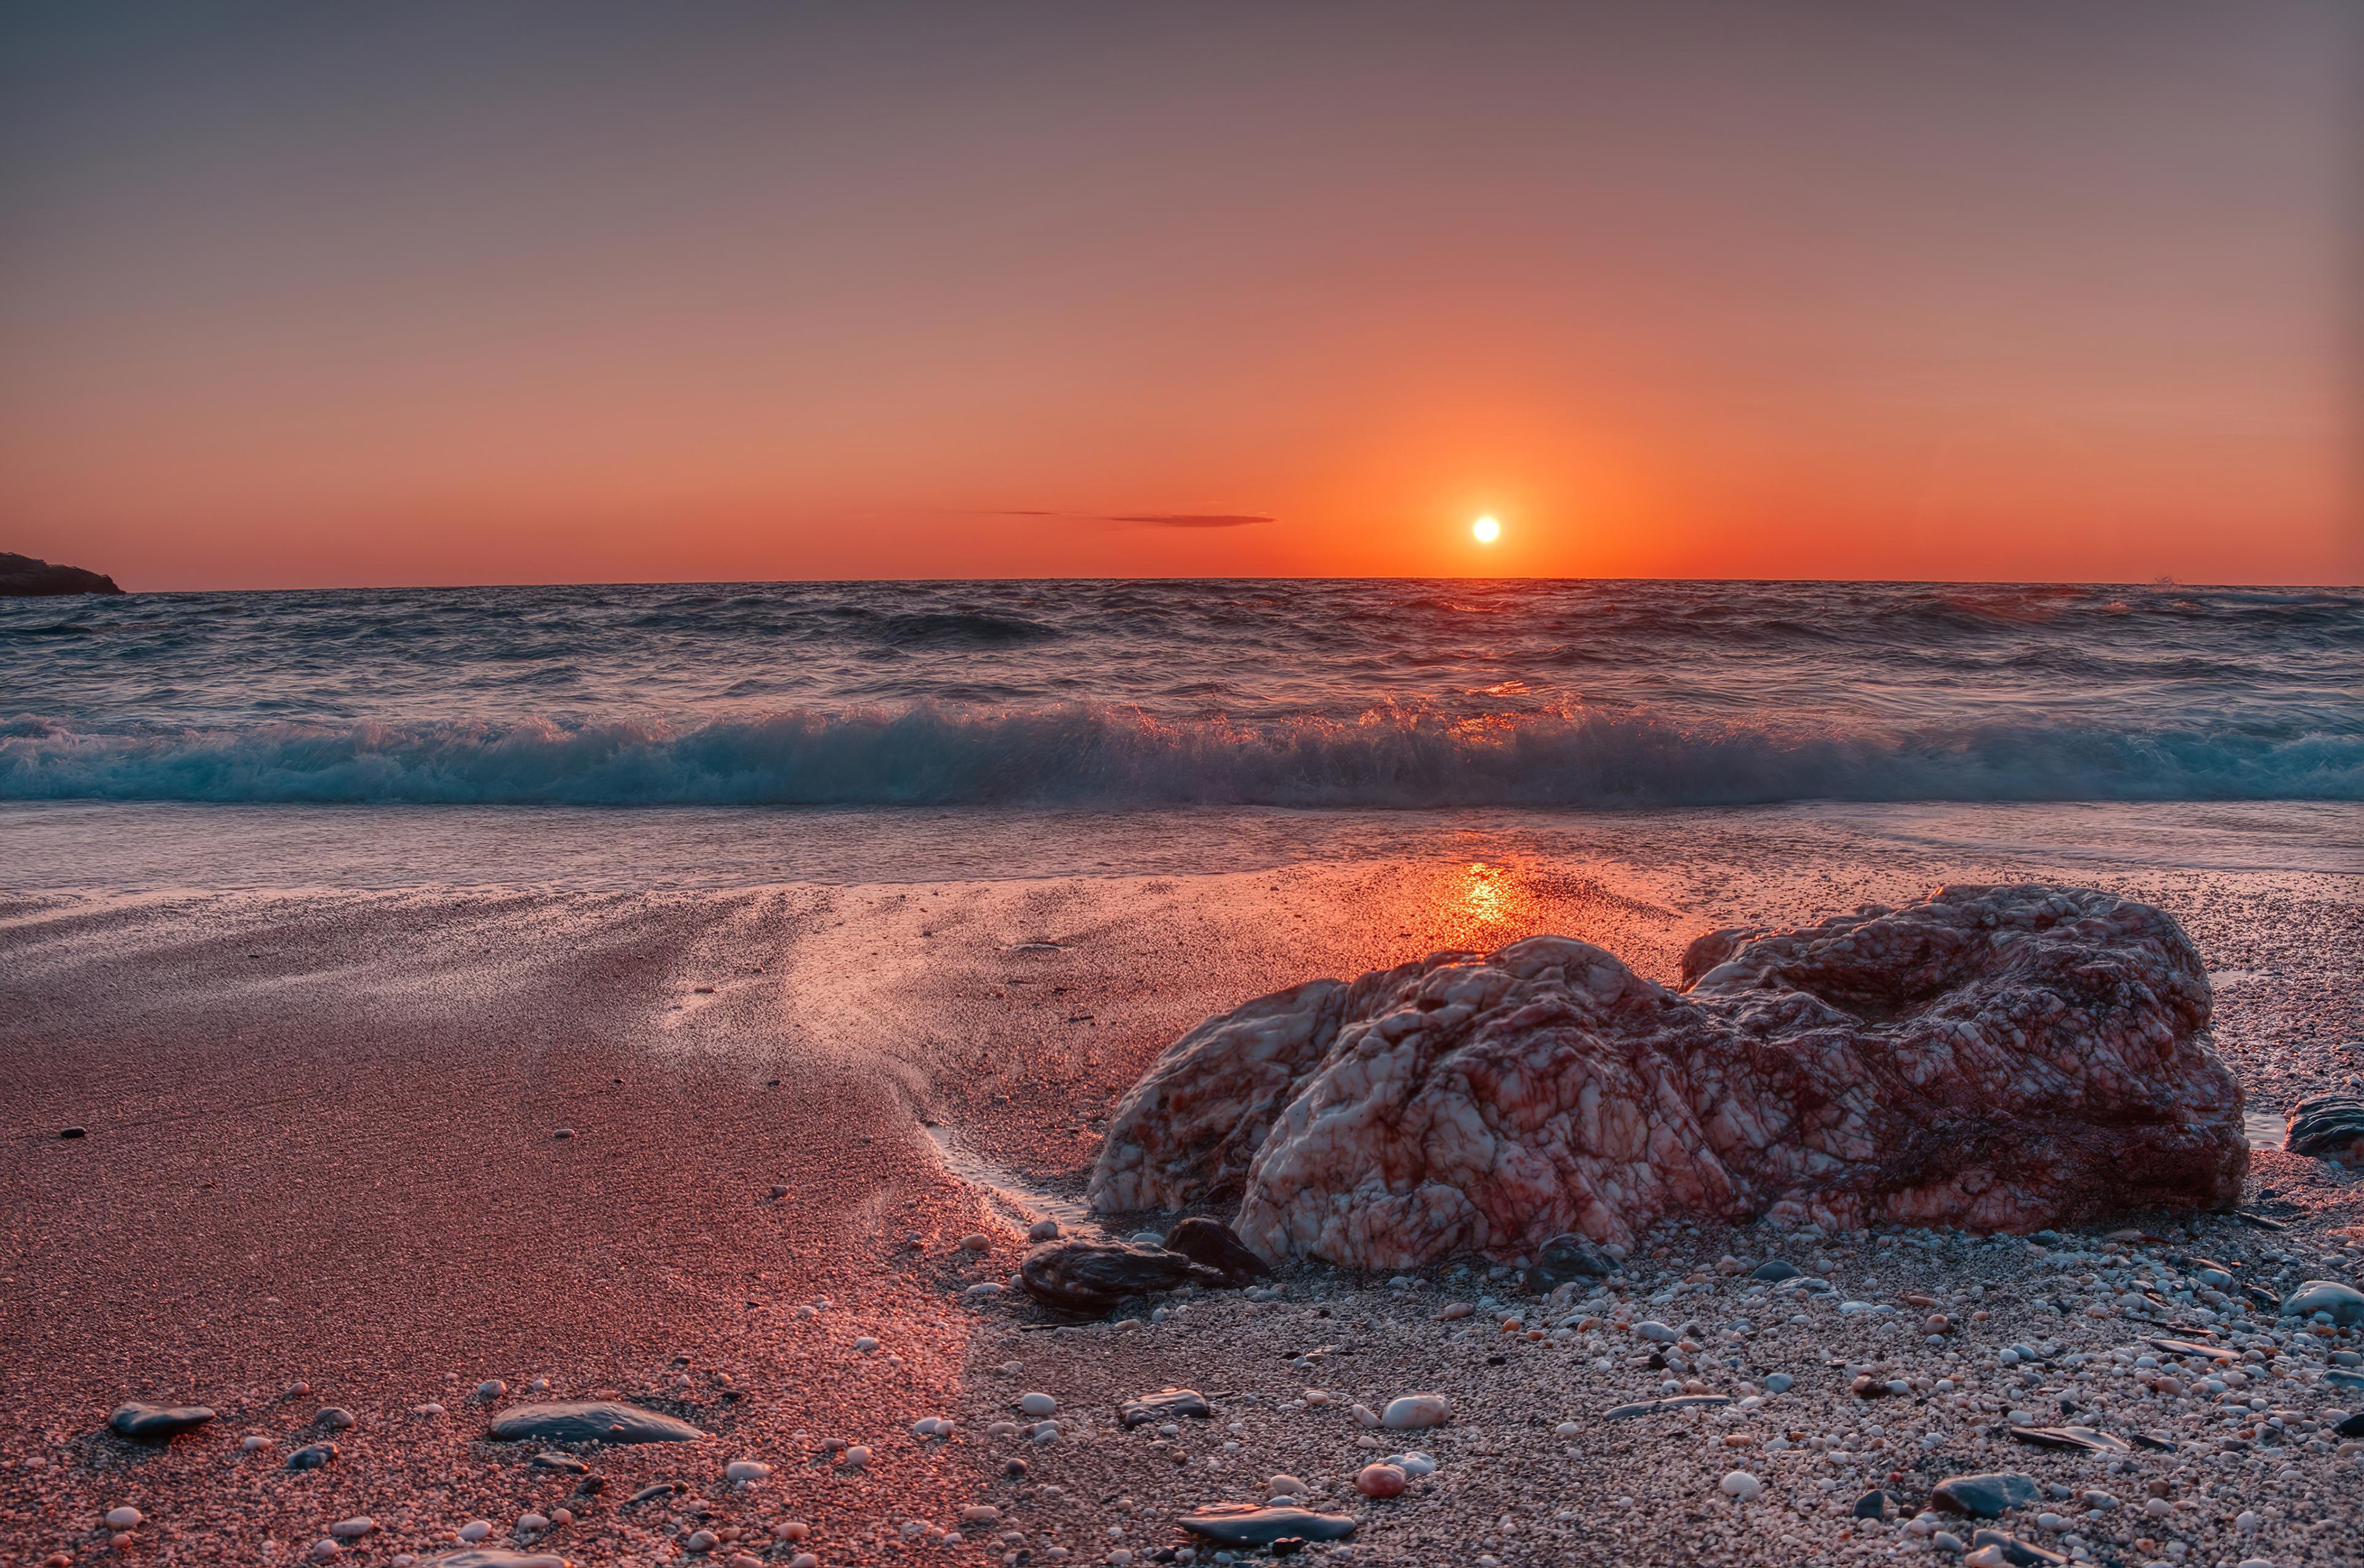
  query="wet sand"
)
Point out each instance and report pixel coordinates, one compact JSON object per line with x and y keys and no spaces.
{"x":321,"y":1150}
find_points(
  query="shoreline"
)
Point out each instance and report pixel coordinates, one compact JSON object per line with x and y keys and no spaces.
{"x":391,"y":1220}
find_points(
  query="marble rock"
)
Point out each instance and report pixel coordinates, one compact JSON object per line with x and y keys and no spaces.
{"x":1990,"y":1058}
{"x":2344,"y":1303}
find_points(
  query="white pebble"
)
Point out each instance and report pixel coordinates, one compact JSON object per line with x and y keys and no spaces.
{"x":352,"y":1529}
{"x":1742,"y":1485}
{"x":1414,"y":1411}
{"x":1567,"y":1429}
{"x":1288,"y":1484}
{"x":2247,"y":1521}
{"x":475,"y":1530}
{"x":745,"y":1470}
{"x":324,"y":1548}
{"x":123,"y":1519}
{"x":530,"y":1522}
{"x":1043,"y":1231}
{"x":1038,"y":1405}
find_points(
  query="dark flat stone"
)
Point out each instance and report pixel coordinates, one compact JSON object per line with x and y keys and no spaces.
{"x":1248,"y":1524}
{"x":2084,"y":1438}
{"x":1165,"y":1405}
{"x":2015,"y":1552}
{"x":2351,"y":1428}
{"x":2328,"y":1126}
{"x":2156,"y":1445}
{"x":597,"y":1421}
{"x":312,"y":1456}
{"x":1212,"y":1244}
{"x":652,"y":1493}
{"x":1660,"y":1407}
{"x":1092,"y":1276}
{"x":157,"y":1423}
{"x":1775,"y":1270}
{"x":1984,"y":1496}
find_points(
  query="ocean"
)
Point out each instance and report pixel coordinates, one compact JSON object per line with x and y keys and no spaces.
{"x":1122,"y":697}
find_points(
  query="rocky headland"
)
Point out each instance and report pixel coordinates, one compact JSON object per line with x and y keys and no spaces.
{"x":24,"y":577}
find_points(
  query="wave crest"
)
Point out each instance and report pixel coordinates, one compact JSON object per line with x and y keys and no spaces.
{"x":1116,"y":757}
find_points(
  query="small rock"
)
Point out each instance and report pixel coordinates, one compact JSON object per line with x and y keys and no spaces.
{"x":253,"y":1441}
{"x":1147,"y":1238}
{"x":596,"y":1421}
{"x":2328,"y":1126}
{"x":324,"y":1550}
{"x":74,"y":1132}
{"x":1779,"y":1382}
{"x":1984,"y":1497}
{"x":562,"y":1133}
{"x":977,"y":1242}
{"x":1994,"y":1549}
{"x":491,"y":1388}
{"x":1246,"y":1524}
{"x":649,"y":1493}
{"x":2344,"y":1303}
{"x":532,"y":1523}
{"x":1285,"y":1485}
{"x":702,"y":1541}
{"x":1413,"y":1412}
{"x":1660,"y":1407}
{"x":1380,"y":1480}
{"x":857,"y":1457}
{"x":333,"y":1417}
{"x":157,"y":1423}
{"x":1565,"y":1258}
{"x":1038,"y":1405}
{"x":980,"y":1514}
{"x":1656,"y":1332}
{"x":1093,"y":1276}
{"x":548,"y":1460}
{"x":743,"y":1471}
{"x":1774,"y":1270}
{"x":123,"y":1519}
{"x":311,"y":1456}
{"x":1740,"y":1485}
{"x":352,"y":1529}
{"x":2081,"y":1439}
{"x":1874,"y":1505}
{"x":1043,"y":1231}
{"x":1165,"y":1405}
{"x":1215,"y":1245}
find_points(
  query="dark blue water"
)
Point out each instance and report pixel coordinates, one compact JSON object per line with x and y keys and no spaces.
{"x":1146,"y":693}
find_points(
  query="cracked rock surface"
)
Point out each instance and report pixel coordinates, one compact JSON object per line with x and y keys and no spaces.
{"x":1990,"y":1058}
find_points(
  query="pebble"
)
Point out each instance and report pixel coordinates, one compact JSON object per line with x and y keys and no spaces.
{"x":491,"y":1388}
{"x":1779,"y":1382}
{"x":1148,"y":1239}
{"x":865,"y":1344}
{"x":123,"y":1519}
{"x":1246,"y":1524}
{"x":593,"y":1421}
{"x":1984,"y":1496}
{"x":1285,"y":1485}
{"x":2345,"y":1304}
{"x":1656,"y":1332}
{"x":1043,"y":1231}
{"x":977,"y":1242}
{"x":1740,"y":1485}
{"x":791,"y":1529}
{"x":1413,"y":1412}
{"x":1775,"y":1270}
{"x":857,"y":1457}
{"x":743,"y":1471}
{"x":1380,"y":1480}
{"x":562,"y":1133}
{"x":548,"y":1459}
{"x":702,"y":1541}
{"x":1038,"y":1405}
{"x":528,"y":1523}
{"x":1165,"y":1405}
{"x":324,"y":1548}
{"x":352,"y":1529}
{"x":334,"y":1418}
{"x":253,"y":1441}
{"x":157,"y":1423}
{"x":475,"y":1530}
{"x":311,"y":1456}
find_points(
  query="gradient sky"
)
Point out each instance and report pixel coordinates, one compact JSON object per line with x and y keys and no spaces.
{"x":310,"y":295}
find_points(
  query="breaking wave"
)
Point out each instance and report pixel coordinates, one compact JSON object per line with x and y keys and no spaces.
{"x":1087,"y":754}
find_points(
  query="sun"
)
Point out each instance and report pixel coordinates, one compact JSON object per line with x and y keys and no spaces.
{"x":1485,"y":531}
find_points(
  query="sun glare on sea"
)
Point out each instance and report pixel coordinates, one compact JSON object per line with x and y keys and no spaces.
{"x":1485,"y":531}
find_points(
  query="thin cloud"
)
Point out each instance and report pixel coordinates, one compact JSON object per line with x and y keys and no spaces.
{"x":1195,"y":519}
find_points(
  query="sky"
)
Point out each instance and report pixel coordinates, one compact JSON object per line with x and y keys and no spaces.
{"x":298,"y":295}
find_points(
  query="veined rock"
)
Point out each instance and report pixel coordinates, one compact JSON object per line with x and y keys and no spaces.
{"x":1991,"y":1058}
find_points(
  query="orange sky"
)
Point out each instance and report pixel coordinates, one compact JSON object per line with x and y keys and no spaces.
{"x":529,"y":294}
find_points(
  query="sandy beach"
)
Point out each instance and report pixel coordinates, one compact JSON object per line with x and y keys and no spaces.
{"x":363,"y":1145}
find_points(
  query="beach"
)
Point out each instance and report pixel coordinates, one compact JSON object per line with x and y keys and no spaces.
{"x":679,"y":1110}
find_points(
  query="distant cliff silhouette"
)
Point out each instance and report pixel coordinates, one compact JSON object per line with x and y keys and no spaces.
{"x":22,"y":577}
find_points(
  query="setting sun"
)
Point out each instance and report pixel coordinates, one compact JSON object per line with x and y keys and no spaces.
{"x":1485,"y":531}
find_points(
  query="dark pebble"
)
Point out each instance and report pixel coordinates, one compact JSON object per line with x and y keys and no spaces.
{"x":1015,"y":1470}
{"x":600,"y":1421}
{"x":311,"y":1456}
{"x":1565,"y":1258}
{"x":156,"y":1423}
{"x":650,"y":1493}
{"x":2351,"y":1428}
{"x":1775,"y":1269}
{"x":1984,"y":1496}
{"x":73,"y":1132}
{"x":1875,"y":1504}
{"x":1092,"y":1276}
{"x":1217,"y":1245}
{"x":1249,"y":1524}
{"x":336,"y":1418}
{"x":1165,"y":1405}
